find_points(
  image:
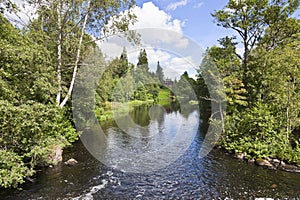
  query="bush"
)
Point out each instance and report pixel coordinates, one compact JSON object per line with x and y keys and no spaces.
{"x":256,"y":131}
{"x":12,"y":169}
{"x":27,"y":133}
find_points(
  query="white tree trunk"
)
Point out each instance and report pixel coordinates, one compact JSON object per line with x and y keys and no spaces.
{"x":59,"y":53}
{"x":288,"y":124}
{"x":63,"y":103}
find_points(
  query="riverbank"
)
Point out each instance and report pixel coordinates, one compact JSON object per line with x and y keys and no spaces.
{"x":269,"y":163}
{"x":109,"y":109}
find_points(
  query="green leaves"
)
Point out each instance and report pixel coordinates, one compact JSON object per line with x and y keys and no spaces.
{"x":27,"y":132}
{"x":263,"y":91}
{"x":12,"y":169}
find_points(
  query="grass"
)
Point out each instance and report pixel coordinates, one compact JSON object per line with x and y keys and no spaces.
{"x":107,"y":111}
{"x":164,"y":93}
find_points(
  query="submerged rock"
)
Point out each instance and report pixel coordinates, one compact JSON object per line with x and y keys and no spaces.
{"x":71,"y":162}
{"x":273,"y":186}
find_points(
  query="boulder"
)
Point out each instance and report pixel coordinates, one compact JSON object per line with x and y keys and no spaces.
{"x":240,"y":156}
{"x":71,"y":162}
{"x":275,"y":162}
{"x":265,"y":163}
{"x":56,"y":154}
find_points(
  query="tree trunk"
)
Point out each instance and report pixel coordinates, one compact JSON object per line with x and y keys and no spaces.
{"x":288,"y":124}
{"x":245,"y":61}
{"x":222,"y":117}
{"x":77,"y":57}
{"x":59,"y":53}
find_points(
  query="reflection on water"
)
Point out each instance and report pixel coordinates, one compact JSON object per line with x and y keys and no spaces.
{"x":215,"y":176}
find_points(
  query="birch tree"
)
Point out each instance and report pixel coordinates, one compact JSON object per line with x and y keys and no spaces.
{"x":77,"y":24}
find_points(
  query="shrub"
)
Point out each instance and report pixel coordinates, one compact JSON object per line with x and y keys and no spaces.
{"x":27,"y":132}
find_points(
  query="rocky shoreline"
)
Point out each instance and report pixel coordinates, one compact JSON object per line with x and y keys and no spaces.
{"x":269,"y":163}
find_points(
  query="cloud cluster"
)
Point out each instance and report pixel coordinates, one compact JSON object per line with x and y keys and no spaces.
{"x":150,"y":16}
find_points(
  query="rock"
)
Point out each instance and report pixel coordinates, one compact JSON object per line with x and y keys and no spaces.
{"x":265,"y":163}
{"x":30,"y":179}
{"x":275,"y":162}
{"x":56,"y":154}
{"x":71,"y":162}
{"x":289,"y":168}
{"x":251,"y":161}
{"x":282,"y":163}
{"x":273,"y":186}
{"x":240,"y":156}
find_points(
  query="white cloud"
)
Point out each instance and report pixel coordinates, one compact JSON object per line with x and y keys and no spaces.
{"x":175,"y":5}
{"x":150,"y":16}
{"x":198,"y":5}
{"x":176,"y":66}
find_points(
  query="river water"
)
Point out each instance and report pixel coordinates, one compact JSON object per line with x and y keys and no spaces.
{"x":216,"y":176}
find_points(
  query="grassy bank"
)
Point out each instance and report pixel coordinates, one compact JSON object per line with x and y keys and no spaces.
{"x":106,"y":112}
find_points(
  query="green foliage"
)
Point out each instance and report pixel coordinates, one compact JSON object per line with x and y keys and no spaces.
{"x":30,"y":125}
{"x":262,"y":86}
{"x":27,"y":133}
{"x":185,"y":87}
{"x":24,"y":68}
{"x":12,"y":169}
{"x":159,"y":73}
{"x":143,"y":61}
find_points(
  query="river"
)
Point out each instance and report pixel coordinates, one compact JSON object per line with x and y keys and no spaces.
{"x":216,"y":176}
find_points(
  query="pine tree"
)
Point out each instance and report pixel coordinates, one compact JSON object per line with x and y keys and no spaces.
{"x":159,"y":73}
{"x":143,"y":61}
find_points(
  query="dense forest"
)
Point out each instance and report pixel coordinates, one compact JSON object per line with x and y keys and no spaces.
{"x":39,"y":64}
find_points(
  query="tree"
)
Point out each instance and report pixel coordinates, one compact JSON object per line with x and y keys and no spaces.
{"x":32,"y":129}
{"x":279,"y":86}
{"x":228,"y":64}
{"x":184,"y":88}
{"x":25,"y":72}
{"x":262,"y":126}
{"x":124,"y":57}
{"x":250,"y":19}
{"x":71,"y":20}
{"x":159,"y":73}
{"x":143,"y":61}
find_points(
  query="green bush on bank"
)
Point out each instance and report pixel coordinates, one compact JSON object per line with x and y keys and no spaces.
{"x":27,"y":134}
{"x":256,"y":132}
